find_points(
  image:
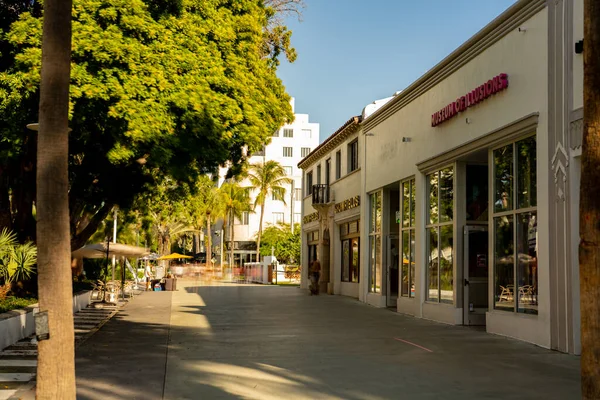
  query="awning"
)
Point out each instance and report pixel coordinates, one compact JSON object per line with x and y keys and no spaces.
{"x":98,"y":250}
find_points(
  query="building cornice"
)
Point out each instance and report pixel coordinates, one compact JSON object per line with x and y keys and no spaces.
{"x":505,"y":23}
{"x":350,"y":127}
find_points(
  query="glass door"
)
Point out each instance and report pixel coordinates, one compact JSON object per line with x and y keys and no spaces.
{"x":393,"y":269}
{"x":476,"y":274}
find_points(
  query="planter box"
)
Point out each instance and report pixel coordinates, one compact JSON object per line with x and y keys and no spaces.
{"x":18,"y":324}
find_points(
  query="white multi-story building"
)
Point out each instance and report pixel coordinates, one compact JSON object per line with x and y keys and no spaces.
{"x":288,"y":146}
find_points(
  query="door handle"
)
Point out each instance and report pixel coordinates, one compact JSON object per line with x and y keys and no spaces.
{"x":466,"y":282}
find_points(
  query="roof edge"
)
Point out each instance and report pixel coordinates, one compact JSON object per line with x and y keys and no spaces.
{"x":477,"y":44}
{"x":340,"y":134}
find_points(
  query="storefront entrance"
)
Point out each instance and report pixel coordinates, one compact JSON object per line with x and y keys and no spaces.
{"x":476,"y":274}
{"x":475,"y":244}
{"x":392,"y":270}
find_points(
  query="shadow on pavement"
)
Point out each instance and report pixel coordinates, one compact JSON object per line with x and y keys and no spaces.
{"x":266,"y":342}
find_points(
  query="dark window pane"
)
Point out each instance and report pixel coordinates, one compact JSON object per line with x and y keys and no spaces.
{"x":432,"y":265}
{"x":477,"y":193}
{"x":527,"y":300}
{"x":412,"y":202}
{"x":446,"y":194}
{"x":378,"y":264}
{"x":405,"y":263}
{"x":433,"y":198}
{"x":355,"y":266}
{"x":412,"y":263}
{"x":526,"y":173}
{"x":373,"y":204}
{"x":378,"y":212}
{"x":446,"y":264}
{"x":345,"y":260}
{"x":503,"y":178}
{"x":504,"y":263}
{"x":405,"y":204}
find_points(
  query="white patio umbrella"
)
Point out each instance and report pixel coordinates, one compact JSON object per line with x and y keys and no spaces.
{"x":102,"y":250}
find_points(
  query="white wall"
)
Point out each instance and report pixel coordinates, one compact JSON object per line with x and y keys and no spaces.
{"x":305,"y":135}
{"x":521,"y":55}
{"x":577,"y":58}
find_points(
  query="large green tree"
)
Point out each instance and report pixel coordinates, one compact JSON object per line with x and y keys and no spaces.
{"x":158,"y":88}
{"x":284,"y":243}
{"x":268,"y":178}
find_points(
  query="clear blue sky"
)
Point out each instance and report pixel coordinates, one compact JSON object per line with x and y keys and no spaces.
{"x":351,"y":52}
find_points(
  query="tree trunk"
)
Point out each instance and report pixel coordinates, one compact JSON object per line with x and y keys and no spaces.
{"x":589,"y":207}
{"x":260,"y":225}
{"x":5,"y":214}
{"x":231,"y":235}
{"x":56,"y":356}
{"x":208,"y":241}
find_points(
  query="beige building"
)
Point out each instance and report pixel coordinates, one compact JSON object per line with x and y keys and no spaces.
{"x":457,"y":200}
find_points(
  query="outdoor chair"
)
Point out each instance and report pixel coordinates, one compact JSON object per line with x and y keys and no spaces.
{"x":506,"y":293}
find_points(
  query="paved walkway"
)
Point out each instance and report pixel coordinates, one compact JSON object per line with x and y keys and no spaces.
{"x":264,"y":342}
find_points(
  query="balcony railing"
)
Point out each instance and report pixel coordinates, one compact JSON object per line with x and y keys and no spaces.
{"x":320,"y":194}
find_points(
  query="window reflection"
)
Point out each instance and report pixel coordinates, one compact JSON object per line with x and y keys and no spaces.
{"x":345,"y":260}
{"x":446,"y":265}
{"x":503,"y":184}
{"x":504,"y":262}
{"x":526,"y":173}
{"x":527,"y":263}
{"x":355,"y":267}
{"x":446,"y":194}
{"x":433,"y":198}
{"x":405,"y":262}
{"x":432,"y":264}
{"x":375,"y":243}
{"x":405,"y":204}
{"x":412,"y":263}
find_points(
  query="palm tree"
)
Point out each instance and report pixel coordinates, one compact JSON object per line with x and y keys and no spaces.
{"x":56,"y":355}
{"x":167,"y":229}
{"x":268,"y":178}
{"x":206,"y":207}
{"x":236,"y":200}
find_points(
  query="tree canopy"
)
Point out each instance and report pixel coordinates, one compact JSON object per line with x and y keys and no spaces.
{"x":158,"y":89}
{"x":285,"y":244}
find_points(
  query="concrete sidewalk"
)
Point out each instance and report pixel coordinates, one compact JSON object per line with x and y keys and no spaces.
{"x":258,"y":342}
{"x":126,"y":358}
{"x":262,"y":342}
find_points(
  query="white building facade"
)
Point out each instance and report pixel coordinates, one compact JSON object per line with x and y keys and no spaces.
{"x":466,"y":194}
{"x":288,"y":146}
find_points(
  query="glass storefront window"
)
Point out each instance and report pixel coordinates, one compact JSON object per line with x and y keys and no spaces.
{"x":503,"y":178}
{"x":515,"y":228}
{"x":433,"y":198}
{"x":345,"y":260}
{"x":440,"y":236}
{"x":355,"y":266}
{"x":350,"y":260}
{"x":526,"y":173}
{"x":408,"y":236}
{"x":375,"y":263}
{"x":432,"y":264}
{"x":527,"y":263}
{"x":446,"y":194}
{"x":446,"y":264}
{"x":504,"y":261}
{"x":405,"y":274}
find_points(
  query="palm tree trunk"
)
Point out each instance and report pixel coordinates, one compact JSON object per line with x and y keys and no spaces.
{"x":589,"y":207}
{"x":208,"y":240}
{"x":56,"y":356}
{"x":260,"y":225}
